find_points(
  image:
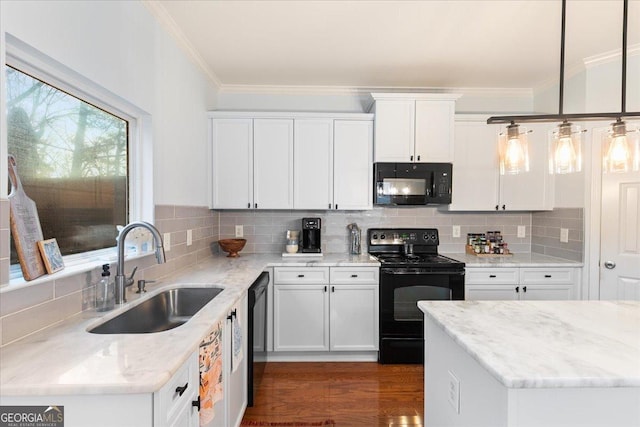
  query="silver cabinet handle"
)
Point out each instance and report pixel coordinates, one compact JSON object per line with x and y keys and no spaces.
{"x":610,"y":265}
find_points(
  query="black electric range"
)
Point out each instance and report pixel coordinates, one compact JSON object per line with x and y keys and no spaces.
{"x":411,"y":270}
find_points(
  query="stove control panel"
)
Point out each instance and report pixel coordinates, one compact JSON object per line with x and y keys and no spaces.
{"x":400,"y":236}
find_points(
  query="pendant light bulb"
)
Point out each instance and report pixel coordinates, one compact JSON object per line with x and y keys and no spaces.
{"x":621,"y":149}
{"x":513,"y":151}
{"x":566,"y":149}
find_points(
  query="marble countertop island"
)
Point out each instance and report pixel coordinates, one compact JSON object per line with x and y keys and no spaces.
{"x":546,"y":344}
{"x":66,"y":359}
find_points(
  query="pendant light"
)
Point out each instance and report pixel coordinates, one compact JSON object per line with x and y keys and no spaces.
{"x":513,"y":150}
{"x":565,"y":151}
{"x":622,"y":147}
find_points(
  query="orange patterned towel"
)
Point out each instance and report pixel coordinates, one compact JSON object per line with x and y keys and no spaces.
{"x":210,"y":374}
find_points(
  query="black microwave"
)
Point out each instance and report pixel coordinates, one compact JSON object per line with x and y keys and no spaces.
{"x":412,"y":183}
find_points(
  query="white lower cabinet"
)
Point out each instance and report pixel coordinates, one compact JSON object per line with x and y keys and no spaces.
{"x":230,"y":410}
{"x":531,"y":283}
{"x":173,"y":403}
{"x":325,"y":309}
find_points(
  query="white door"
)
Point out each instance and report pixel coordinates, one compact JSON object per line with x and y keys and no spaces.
{"x":531,"y":190}
{"x":313,"y":164}
{"x":301,"y":317}
{"x":352,"y":160}
{"x":434,"y":131}
{"x":236,"y":367}
{"x":475,"y":167}
{"x":394,"y":130}
{"x":273,"y":163}
{"x":232,"y":151}
{"x":620,"y":236}
{"x":354,"y":317}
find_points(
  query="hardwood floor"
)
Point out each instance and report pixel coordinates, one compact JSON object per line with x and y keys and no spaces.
{"x":351,"y":394}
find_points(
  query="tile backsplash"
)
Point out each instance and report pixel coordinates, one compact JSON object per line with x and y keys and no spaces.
{"x":265,"y":230}
{"x":545,"y":233}
{"x":50,"y":300}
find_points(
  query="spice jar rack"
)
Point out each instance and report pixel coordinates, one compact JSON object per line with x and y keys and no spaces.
{"x":489,"y":244}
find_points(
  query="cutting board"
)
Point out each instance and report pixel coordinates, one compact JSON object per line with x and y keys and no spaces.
{"x":25,"y":226}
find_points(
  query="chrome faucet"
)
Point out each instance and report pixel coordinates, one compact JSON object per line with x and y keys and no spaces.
{"x":122,"y":282}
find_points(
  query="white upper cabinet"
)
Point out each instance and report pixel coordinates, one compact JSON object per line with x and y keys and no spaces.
{"x":477,"y":183}
{"x":434,"y":130}
{"x":414,"y":127}
{"x":352,"y":164}
{"x":273,"y":164}
{"x":291,"y":160}
{"x":532,"y":190}
{"x":232,"y":152}
{"x":313,"y":181}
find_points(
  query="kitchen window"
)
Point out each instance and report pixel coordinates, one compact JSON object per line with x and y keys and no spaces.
{"x":84,"y":155}
{"x":72,"y":161}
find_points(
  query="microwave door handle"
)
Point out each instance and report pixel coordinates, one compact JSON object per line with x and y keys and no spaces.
{"x":433,"y":184}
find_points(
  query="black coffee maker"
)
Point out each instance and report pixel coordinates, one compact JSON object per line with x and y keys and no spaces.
{"x":311,"y":235}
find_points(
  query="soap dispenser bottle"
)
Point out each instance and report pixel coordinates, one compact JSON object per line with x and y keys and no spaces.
{"x":105,"y":291}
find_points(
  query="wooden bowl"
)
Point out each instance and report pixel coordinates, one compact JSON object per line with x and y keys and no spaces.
{"x":232,"y":246}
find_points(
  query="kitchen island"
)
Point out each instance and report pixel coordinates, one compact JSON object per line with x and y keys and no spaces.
{"x":532,"y":363}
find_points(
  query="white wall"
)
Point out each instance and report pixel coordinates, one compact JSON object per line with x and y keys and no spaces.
{"x":119,"y":46}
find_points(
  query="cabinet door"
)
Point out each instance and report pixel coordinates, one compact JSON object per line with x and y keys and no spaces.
{"x":236,"y":366}
{"x":313,"y":164}
{"x":531,"y":190}
{"x":394,"y":130}
{"x":491,"y":293}
{"x":173,"y":408}
{"x":475,"y":167}
{"x":352,"y":160}
{"x":354,"y":318}
{"x":547,"y":293}
{"x":272,"y":164}
{"x":434,"y":131}
{"x":301,"y":317}
{"x":232,"y":151}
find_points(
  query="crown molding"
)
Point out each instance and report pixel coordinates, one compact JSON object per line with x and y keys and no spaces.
{"x":610,"y":56}
{"x":367,"y":90}
{"x":167,"y":22}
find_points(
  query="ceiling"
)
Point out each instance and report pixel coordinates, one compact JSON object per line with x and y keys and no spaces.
{"x":393,"y":44}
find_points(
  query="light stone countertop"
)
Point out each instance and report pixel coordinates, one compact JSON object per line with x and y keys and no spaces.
{"x":66,"y":359}
{"x":547,"y":344}
{"x":514,"y":261}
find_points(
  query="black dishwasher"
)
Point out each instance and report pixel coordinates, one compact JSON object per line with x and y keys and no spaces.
{"x":257,"y":319}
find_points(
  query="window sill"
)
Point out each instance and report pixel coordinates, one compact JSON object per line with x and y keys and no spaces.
{"x":77,"y":264}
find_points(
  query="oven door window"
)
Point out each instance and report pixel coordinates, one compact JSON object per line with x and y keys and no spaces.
{"x":405,"y":300}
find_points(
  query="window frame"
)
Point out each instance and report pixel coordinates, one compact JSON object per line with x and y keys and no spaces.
{"x":140,"y":145}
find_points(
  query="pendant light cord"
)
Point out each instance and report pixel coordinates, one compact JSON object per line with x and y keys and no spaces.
{"x":562,"y":39}
{"x":624,"y":55}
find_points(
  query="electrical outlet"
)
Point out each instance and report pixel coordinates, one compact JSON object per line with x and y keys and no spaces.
{"x":239,"y":231}
{"x":189,"y":237}
{"x":456,"y":231}
{"x":522,"y":232}
{"x":166,"y":240}
{"x":564,"y":235}
{"x":453,"y":393}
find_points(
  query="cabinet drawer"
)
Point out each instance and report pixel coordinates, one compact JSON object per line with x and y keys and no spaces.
{"x":543,"y":276}
{"x":170,"y":397}
{"x":310,"y":275}
{"x":353,"y":275}
{"x":486,"y":276}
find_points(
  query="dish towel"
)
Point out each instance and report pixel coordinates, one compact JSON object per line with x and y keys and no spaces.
{"x":210,"y":374}
{"x":236,"y":344}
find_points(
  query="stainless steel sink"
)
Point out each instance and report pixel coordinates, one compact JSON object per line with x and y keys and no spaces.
{"x":161,"y":312}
